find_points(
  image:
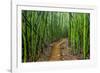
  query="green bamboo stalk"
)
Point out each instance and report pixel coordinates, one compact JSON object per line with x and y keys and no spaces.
{"x":84,"y":38}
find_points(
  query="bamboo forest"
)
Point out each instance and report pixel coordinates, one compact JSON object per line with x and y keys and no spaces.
{"x":55,"y":36}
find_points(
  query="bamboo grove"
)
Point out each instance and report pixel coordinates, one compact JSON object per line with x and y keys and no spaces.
{"x":40,"y":28}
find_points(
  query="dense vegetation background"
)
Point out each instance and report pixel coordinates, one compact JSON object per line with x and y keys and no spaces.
{"x":41,"y":28}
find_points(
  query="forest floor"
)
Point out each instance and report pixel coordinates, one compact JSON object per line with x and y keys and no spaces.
{"x":60,"y":51}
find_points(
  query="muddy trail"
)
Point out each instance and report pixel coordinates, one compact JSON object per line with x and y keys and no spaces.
{"x":59,"y":51}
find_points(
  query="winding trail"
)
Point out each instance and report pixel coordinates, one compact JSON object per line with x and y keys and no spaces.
{"x":60,"y":51}
{"x":56,"y":50}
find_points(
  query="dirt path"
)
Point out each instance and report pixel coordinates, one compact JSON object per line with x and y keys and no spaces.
{"x":56,"y":50}
{"x":60,"y":51}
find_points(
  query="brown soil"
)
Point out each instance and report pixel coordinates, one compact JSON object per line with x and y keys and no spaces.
{"x":60,"y":51}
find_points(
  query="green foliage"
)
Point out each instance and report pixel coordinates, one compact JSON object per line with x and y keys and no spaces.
{"x":40,"y":28}
{"x":79,"y":35}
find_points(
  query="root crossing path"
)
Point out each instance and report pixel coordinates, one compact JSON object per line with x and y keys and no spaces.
{"x":60,"y":51}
